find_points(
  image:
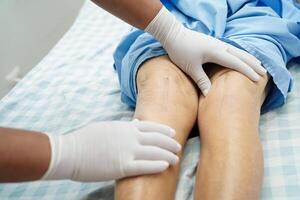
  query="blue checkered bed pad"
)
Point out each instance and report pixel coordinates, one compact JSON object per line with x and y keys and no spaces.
{"x":75,"y":84}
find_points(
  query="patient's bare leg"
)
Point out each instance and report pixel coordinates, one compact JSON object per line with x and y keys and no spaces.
{"x":165,"y":95}
{"x":231,"y":160}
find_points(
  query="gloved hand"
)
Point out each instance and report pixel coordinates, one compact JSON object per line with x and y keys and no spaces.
{"x":189,"y":50}
{"x":112,"y":150}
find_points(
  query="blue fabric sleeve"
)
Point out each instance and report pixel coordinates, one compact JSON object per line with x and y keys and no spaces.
{"x":273,"y":40}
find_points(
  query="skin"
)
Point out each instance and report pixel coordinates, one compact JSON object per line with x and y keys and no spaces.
{"x":25,"y":155}
{"x":130,"y":10}
{"x":163,"y":83}
{"x":231,"y":163}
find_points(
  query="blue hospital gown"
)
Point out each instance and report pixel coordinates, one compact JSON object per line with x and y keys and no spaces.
{"x":268,"y":29}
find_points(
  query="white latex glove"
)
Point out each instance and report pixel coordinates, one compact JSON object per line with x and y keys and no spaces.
{"x":112,"y":150}
{"x":189,"y":50}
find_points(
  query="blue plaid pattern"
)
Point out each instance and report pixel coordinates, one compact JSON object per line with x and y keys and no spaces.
{"x":75,"y":84}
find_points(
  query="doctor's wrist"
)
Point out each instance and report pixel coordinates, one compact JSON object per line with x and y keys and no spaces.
{"x":62,"y":157}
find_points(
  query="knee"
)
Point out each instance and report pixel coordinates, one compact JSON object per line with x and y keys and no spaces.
{"x":162,"y":72}
{"x":235,"y":82}
{"x":232,"y":108}
{"x":232,"y":88}
{"x":159,"y":76}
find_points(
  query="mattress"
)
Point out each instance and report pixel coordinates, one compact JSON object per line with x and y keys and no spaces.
{"x":75,"y":84}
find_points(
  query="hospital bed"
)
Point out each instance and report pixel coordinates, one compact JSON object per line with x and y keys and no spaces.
{"x":75,"y":84}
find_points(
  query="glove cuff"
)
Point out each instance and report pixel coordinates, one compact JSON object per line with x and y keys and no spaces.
{"x":164,"y":26}
{"x":62,"y":156}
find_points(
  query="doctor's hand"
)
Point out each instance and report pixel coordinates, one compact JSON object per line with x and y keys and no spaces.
{"x":189,"y":50}
{"x":112,"y":150}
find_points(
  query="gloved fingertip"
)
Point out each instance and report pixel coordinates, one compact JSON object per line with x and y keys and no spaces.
{"x":256,"y":77}
{"x":264,"y":71}
{"x":176,"y":161}
{"x":165,"y":165}
{"x":204,"y":84}
{"x":205,"y":92}
{"x":260,"y":70}
{"x":179,"y":148}
{"x":172,"y":132}
{"x":255,"y":59}
{"x":258,"y":61}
